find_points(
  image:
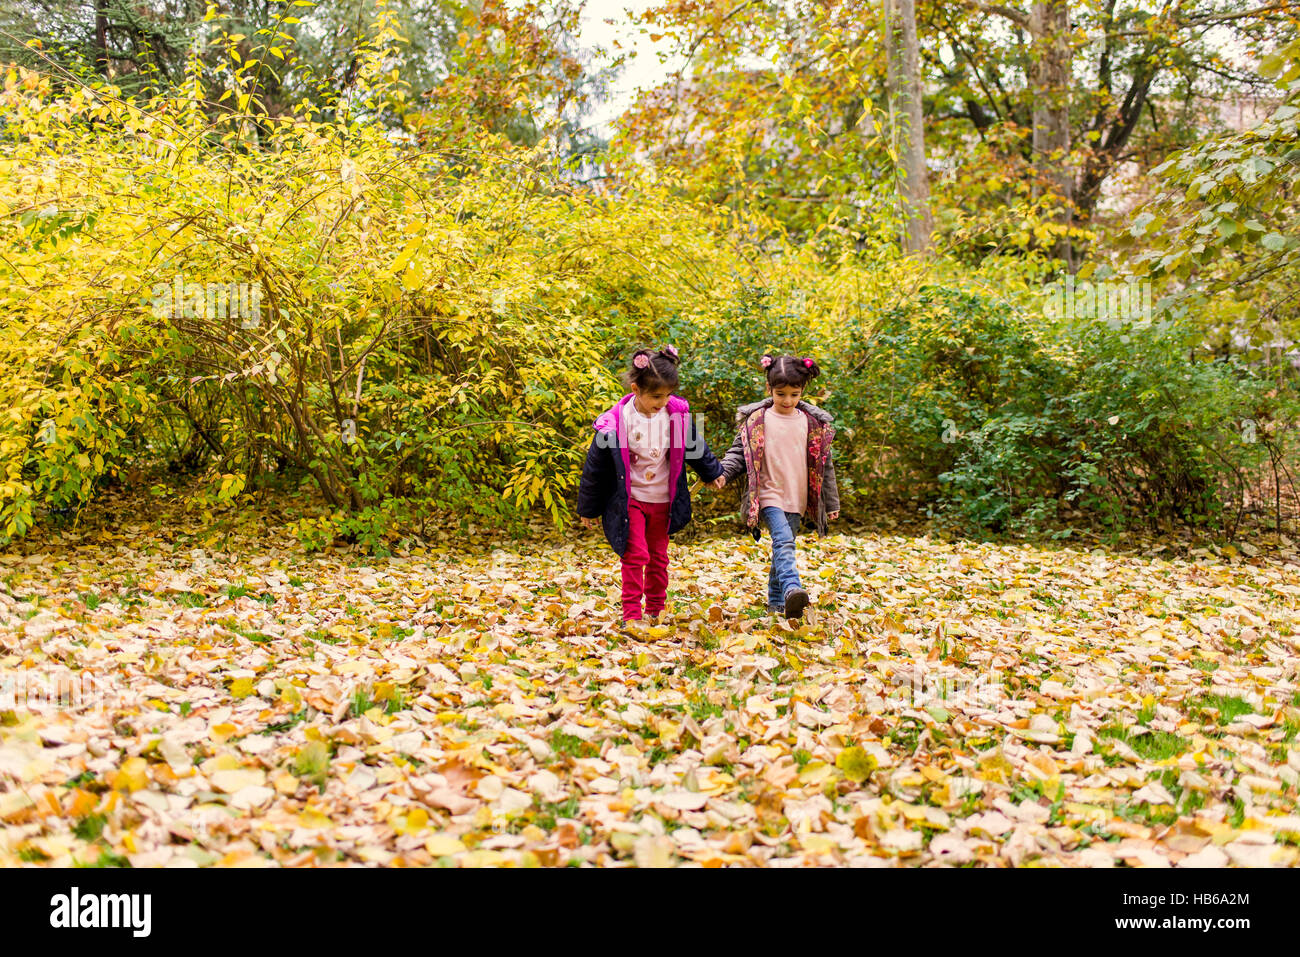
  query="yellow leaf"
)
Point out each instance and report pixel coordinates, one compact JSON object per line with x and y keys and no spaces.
{"x":440,"y":845}
{"x":312,"y":760}
{"x":667,"y":730}
{"x":222,"y":762}
{"x":856,"y":764}
{"x":131,"y":776}
{"x":407,"y":252}
{"x":313,"y":818}
{"x":413,"y":277}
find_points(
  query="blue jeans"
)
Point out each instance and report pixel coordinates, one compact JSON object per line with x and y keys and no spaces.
{"x":783,"y":527}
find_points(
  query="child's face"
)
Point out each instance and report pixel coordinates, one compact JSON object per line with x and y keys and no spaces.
{"x":785,"y":398}
{"x":650,"y":401}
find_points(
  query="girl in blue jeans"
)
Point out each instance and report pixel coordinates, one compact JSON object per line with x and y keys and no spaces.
{"x":783,"y":445}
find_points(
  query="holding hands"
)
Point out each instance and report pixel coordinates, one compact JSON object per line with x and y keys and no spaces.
{"x":717,"y":483}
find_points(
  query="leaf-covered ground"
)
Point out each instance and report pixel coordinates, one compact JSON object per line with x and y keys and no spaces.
{"x":242,"y":703}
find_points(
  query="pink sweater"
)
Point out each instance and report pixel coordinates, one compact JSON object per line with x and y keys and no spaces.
{"x":647,"y":445}
{"x":784,"y":480}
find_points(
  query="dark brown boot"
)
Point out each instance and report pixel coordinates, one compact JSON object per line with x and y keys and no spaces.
{"x":796,"y":600}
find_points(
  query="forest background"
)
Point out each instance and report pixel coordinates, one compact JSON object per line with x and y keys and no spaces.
{"x":374,"y":259}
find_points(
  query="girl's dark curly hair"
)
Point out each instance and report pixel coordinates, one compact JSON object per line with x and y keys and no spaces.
{"x":658,"y":373}
{"x":793,"y":371}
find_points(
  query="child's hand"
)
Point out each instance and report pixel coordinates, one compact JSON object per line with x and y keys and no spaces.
{"x":718,"y":482}
{"x":833,"y":516}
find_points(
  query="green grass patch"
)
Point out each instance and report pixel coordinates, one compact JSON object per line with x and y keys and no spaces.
{"x":696,"y":674}
{"x":572,"y":745}
{"x":1228,"y":707}
{"x":106,"y":859}
{"x":257,"y":637}
{"x":89,"y":828}
{"x":296,"y":718}
{"x":361,"y":702}
{"x":702,"y":709}
{"x":551,"y":811}
{"x":1149,"y":745}
{"x":1290,"y":728}
{"x":81,"y":780}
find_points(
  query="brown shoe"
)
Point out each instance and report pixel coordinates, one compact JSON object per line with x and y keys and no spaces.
{"x":796,"y":600}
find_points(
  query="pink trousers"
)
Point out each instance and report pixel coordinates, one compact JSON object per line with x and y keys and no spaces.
{"x":645,"y":560}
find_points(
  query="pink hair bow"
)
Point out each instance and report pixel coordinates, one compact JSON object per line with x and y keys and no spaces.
{"x":766,"y":361}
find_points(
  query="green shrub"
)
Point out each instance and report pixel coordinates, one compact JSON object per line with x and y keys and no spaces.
{"x":931,"y":385}
{"x":998,"y":427}
{"x":720,"y":367}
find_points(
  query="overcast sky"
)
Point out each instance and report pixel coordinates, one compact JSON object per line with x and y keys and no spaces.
{"x":642,"y":72}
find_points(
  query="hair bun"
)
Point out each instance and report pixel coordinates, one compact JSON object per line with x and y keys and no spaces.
{"x":790,"y":370}
{"x":670,"y":353}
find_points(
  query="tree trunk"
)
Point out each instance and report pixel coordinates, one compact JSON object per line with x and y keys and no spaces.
{"x":904,"y":81}
{"x":101,"y":38}
{"x":1050,"y":29}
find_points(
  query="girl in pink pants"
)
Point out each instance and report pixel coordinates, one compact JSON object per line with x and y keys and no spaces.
{"x":634,"y":478}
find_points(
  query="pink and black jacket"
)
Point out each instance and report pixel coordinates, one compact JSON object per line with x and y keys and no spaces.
{"x":603,"y":491}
